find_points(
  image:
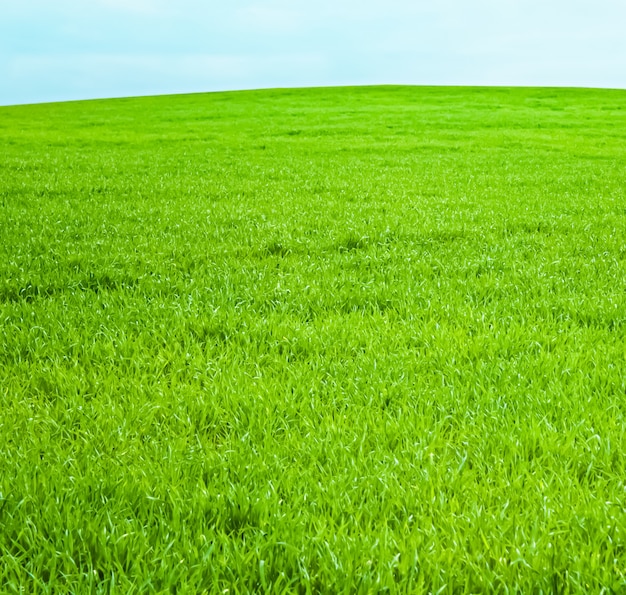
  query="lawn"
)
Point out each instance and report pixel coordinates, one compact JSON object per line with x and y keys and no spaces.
{"x":344,"y":340}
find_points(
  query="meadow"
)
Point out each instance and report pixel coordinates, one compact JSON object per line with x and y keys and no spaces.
{"x":349,"y":340}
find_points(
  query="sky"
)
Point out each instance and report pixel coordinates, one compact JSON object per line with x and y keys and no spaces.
{"x":55,"y":50}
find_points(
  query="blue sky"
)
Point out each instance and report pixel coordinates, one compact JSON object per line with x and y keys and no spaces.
{"x":71,"y":49}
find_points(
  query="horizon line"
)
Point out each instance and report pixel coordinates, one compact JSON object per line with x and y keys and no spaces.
{"x":311,"y":88}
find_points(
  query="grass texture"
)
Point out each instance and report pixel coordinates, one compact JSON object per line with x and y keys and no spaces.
{"x":350,"y":340}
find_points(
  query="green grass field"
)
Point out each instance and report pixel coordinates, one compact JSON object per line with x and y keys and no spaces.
{"x":330,"y":340}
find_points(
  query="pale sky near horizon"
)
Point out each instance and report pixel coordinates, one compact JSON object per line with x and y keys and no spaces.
{"x":71,"y":49}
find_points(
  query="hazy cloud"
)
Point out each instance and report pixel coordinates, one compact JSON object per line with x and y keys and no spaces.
{"x":140,"y":7}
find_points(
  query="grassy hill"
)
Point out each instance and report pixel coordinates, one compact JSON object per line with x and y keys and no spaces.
{"x":336,"y":340}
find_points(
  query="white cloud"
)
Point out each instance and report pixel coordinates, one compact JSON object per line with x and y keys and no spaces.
{"x":270,"y":18}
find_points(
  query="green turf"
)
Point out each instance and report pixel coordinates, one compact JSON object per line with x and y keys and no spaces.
{"x":326,"y":340}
